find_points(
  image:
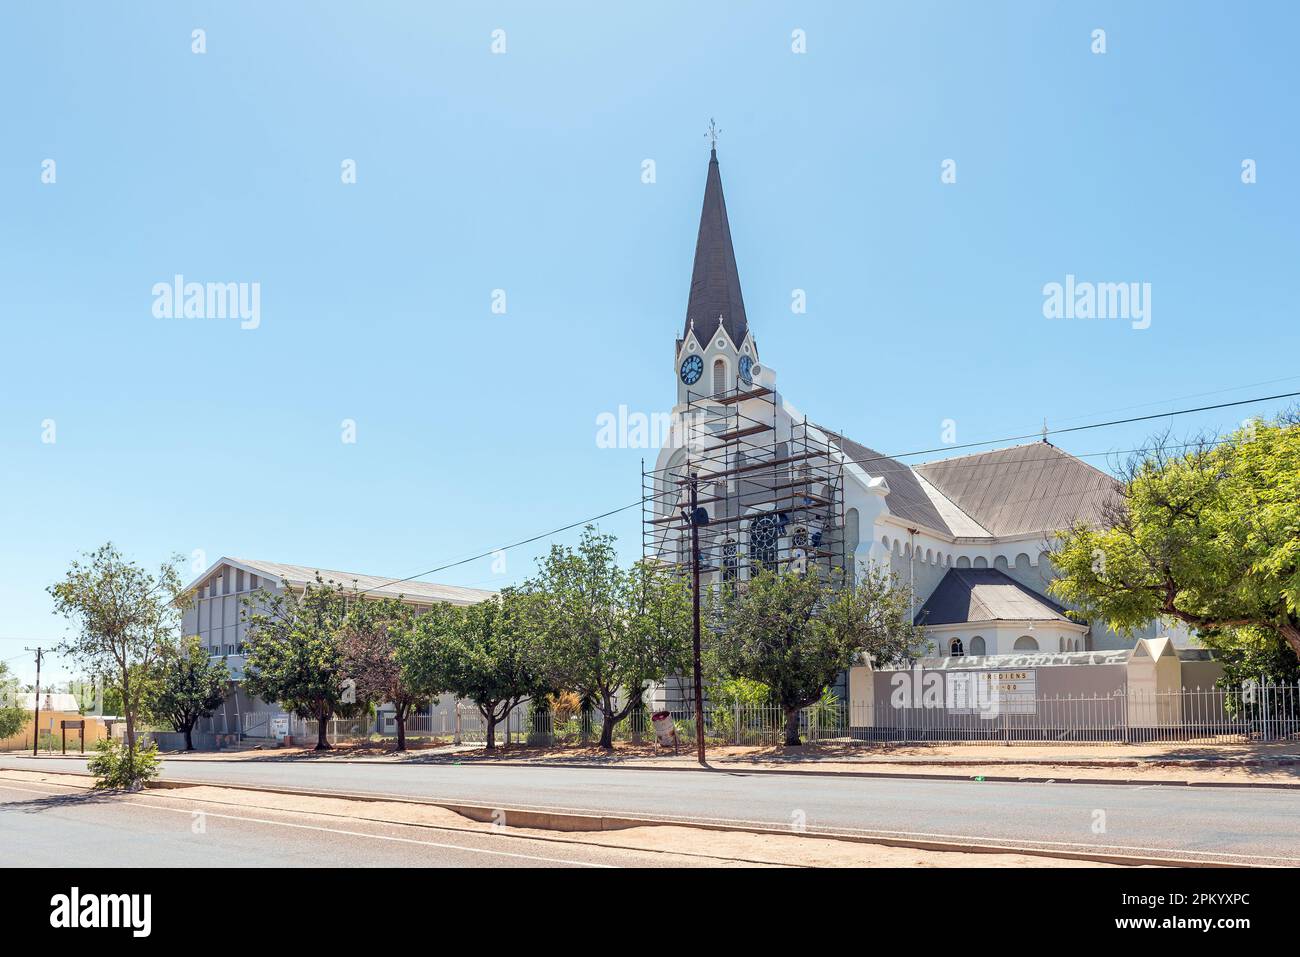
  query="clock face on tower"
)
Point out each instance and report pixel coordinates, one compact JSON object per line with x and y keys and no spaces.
{"x":746,"y":364}
{"x":692,"y":369}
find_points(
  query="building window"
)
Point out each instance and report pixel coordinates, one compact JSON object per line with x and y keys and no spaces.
{"x":977,"y":646}
{"x":719,"y":377}
{"x":729,"y":560}
{"x":955,"y":648}
{"x":764,"y":533}
{"x":1026,"y":643}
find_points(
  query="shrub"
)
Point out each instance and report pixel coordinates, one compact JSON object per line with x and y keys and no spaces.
{"x":116,"y":767}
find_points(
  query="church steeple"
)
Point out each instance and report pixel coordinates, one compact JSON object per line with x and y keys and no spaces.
{"x":715,"y":300}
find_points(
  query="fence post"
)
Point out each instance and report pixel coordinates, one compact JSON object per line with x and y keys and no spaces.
{"x":455,"y":739}
{"x":735,"y":722}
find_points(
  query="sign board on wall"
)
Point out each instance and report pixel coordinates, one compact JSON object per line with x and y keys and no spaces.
{"x":992,"y":692}
{"x":1013,"y":692}
{"x":280,"y":728}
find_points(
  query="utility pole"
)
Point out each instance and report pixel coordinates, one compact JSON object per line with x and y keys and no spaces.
{"x":36,"y":715}
{"x":694,"y":517}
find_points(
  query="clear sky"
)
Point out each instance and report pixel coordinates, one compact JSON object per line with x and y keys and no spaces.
{"x":522,"y":171}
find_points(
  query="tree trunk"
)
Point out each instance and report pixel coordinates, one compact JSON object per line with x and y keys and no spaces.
{"x":607,"y":731}
{"x":322,"y":725}
{"x":126,"y":706}
{"x":401,"y":728}
{"x":1292,"y":635}
{"x":491,"y":731}
{"x":792,"y":728}
{"x":189,"y":740}
{"x":637,"y":716}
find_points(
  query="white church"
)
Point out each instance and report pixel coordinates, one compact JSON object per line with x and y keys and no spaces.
{"x":968,"y":534}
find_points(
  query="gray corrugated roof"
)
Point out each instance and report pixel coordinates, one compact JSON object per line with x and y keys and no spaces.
{"x":715,"y":281}
{"x":1022,"y":489}
{"x":371,"y":584}
{"x":906,"y":498}
{"x":985,"y":594}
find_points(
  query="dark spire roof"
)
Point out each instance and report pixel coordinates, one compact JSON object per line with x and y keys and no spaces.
{"x":715,"y":282}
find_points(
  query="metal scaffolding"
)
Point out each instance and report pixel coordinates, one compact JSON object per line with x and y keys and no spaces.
{"x":772,"y":488}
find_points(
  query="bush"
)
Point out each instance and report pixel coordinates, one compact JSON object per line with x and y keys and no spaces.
{"x":115,"y":767}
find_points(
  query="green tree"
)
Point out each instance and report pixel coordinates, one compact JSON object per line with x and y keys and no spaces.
{"x":381,"y":650}
{"x":491,"y":653}
{"x":13,"y":716}
{"x":610,"y":631}
{"x":1206,"y":533}
{"x":190,"y":686}
{"x":294,"y":652}
{"x":794,"y":634}
{"x":1257,"y":654}
{"x":126,"y":617}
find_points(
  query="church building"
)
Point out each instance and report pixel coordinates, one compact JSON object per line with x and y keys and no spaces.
{"x":968,"y":534}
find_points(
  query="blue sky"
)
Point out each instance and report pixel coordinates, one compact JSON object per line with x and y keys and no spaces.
{"x":522,"y":172}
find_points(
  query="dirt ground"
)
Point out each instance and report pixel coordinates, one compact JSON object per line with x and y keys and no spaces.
{"x":726,"y":847}
{"x":1173,"y":763}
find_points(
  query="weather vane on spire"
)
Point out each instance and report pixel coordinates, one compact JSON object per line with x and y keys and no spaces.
{"x":712,"y":134}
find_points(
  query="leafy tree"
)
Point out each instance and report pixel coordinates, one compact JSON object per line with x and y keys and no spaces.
{"x":1257,"y":654}
{"x":382,"y":655}
{"x":13,"y":716}
{"x":795,"y":633}
{"x":610,"y":631}
{"x":116,"y":766}
{"x":126,"y":617}
{"x":1206,"y":533}
{"x":190,"y":686}
{"x":144,"y":681}
{"x":491,"y":653}
{"x":294,"y":653}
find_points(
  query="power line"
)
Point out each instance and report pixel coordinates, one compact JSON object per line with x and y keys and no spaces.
{"x":1193,"y":395}
{"x":493,"y":551}
{"x":1074,"y":428}
{"x":948,"y":448}
{"x":1092,"y":425}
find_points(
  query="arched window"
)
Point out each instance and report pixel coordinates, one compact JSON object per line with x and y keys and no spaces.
{"x":955,"y":648}
{"x":1026,"y":643}
{"x":764,"y":532}
{"x":977,"y":646}
{"x":729,"y":560}
{"x":719,"y":377}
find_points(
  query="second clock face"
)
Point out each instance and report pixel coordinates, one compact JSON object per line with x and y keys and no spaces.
{"x":692,"y":369}
{"x":746,"y":367}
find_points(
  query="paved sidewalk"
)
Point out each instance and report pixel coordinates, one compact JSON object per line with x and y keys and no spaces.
{"x":1270,"y":765}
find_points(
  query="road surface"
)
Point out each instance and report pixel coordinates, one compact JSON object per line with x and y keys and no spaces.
{"x":50,"y":826}
{"x":1251,"y":825}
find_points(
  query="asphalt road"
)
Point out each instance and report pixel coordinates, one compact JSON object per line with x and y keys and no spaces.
{"x":1253,"y":825}
{"x":50,"y":826}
